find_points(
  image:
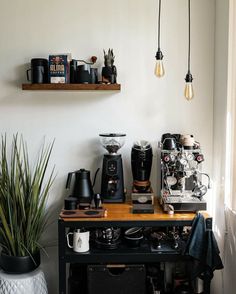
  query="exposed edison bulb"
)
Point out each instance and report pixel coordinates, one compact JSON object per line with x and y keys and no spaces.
{"x":159,"y":68}
{"x":188,"y":91}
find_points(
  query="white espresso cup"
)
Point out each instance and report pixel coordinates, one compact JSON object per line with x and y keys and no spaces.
{"x":80,"y":241}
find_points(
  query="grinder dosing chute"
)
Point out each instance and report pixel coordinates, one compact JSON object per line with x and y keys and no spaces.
{"x":83,"y":189}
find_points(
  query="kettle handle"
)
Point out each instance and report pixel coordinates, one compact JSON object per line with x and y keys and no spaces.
{"x":95,"y":177}
{"x":68,"y":181}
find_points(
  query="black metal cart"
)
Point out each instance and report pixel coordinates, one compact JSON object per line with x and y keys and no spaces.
{"x":119,"y":215}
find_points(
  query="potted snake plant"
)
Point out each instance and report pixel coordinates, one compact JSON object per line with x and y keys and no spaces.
{"x":24,"y":191}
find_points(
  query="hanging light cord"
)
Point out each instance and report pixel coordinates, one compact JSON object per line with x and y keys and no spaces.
{"x":189,"y":41}
{"x":159,"y":24}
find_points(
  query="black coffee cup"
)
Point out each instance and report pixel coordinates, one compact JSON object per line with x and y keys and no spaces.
{"x":39,"y":71}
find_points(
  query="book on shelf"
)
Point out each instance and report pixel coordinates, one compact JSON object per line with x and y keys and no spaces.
{"x":59,"y":68}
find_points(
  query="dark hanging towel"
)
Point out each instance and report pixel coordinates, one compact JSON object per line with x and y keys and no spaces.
{"x":203,"y":248}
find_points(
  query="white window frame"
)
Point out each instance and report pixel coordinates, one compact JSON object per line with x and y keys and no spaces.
{"x":230,"y":171}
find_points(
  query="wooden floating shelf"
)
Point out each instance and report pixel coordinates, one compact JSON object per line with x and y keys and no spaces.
{"x":73,"y":87}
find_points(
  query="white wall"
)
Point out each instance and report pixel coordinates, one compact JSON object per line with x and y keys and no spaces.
{"x":145,"y":108}
{"x":219,"y":122}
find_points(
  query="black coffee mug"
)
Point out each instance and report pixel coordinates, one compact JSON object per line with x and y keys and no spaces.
{"x":39,"y":71}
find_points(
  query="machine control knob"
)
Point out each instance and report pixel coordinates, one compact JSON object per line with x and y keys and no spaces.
{"x":166,"y":158}
{"x":199,"y":158}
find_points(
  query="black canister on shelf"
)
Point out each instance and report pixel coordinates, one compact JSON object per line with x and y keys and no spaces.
{"x":39,"y":71}
{"x":83,"y":74}
{"x":73,"y":74}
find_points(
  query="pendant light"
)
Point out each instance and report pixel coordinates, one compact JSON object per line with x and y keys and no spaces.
{"x":188,"y":91}
{"x":159,"y":68}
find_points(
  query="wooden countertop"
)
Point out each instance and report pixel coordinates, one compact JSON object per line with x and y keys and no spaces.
{"x":122,"y":212}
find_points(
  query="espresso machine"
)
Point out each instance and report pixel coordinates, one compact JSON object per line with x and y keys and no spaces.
{"x":182,"y":188}
{"x":112,"y":185}
{"x":141,"y":163}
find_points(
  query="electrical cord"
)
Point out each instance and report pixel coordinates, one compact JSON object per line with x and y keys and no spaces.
{"x":189,"y":34}
{"x":159,"y":24}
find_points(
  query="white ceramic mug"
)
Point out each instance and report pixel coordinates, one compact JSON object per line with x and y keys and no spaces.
{"x":80,"y":241}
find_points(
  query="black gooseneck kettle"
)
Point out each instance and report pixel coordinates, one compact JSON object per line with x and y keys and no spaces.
{"x":83,"y":189}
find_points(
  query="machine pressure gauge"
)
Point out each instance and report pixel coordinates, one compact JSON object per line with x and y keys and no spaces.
{"x":190,"y":156}
{"x":171,"y":180}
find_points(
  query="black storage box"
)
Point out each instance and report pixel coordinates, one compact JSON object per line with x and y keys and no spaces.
{"x":116,"y":279}
{"x":77,"y":281}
